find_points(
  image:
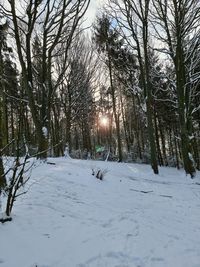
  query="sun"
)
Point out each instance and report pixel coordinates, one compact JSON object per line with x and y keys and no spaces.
{"x":104,"y":121}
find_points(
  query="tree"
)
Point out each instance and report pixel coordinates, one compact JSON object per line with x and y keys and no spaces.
{"x":55,"y":22}
{"x":105,"y":38}
{"x":75,"y":92}
{"x":3,"y":50}
{"x":179,"y":21}
{"x":134,"y":18}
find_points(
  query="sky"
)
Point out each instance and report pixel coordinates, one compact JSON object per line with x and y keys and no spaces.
{"x":91,"y":12}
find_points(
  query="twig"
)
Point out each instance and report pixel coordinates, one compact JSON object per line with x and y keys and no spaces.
{"x":142,"y":191}
{"x":166,"y":196}
{"x":4,"y":148}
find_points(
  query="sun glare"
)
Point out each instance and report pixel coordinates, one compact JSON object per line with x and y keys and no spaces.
{"x":104,"y":121}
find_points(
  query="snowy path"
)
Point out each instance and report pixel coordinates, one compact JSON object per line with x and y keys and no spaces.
{"x":71,"y":219}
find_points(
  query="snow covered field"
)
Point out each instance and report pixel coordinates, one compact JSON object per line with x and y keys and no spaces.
{"x":132,"y":218}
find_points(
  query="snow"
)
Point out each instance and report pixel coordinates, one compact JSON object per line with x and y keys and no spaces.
{"x":132,"y":218}
{"x":45,"y":131}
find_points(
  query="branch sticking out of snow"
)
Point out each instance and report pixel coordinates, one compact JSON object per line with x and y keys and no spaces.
{"x":4,"y":218}
{"x":99,"y":174}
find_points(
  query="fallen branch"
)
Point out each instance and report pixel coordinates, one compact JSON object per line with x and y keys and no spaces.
{"x":166,"y":196}
{"x":149,"y":191}
{"x":141,"y":191}
{"x":51,"y":163}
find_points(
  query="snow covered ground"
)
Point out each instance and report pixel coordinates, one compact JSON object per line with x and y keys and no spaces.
{"x":132,"y":218}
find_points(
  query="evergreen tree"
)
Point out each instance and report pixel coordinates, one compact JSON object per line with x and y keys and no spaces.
{"x":106,"y":38}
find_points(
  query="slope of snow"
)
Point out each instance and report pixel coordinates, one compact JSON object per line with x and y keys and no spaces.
{"x":132,"y":218}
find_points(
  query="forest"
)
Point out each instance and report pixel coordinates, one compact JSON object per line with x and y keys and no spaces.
{"x":125,"y":89}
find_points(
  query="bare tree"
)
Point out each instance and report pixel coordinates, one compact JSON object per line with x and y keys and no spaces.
{"x":77,"y":89}
{"x":133,"y":19}
{"x":18,"y":175}
{"x":178,"y":27}
{"x":55,"y":23}
{"x":3,"y":48}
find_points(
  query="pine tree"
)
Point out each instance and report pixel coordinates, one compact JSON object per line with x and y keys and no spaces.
{"x":106,"y":38}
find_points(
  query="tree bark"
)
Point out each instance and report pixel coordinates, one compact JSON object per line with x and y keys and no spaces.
{"x":181,"y":84}
{"x":2,"y":177}
{"x":116,"y":115}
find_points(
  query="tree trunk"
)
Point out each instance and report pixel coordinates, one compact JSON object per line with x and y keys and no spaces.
{"x":176,"y":150}
{"x":149,"y":101}
{"x":160,"y":158}
{"x":125,"y":125}
{"x":115,"y":113}
{"x":181,"y":83}
{"x":42,"y":144}
{"x":151,"y":135}
{"x":2,"y":177}
{"x":162,"y":136}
